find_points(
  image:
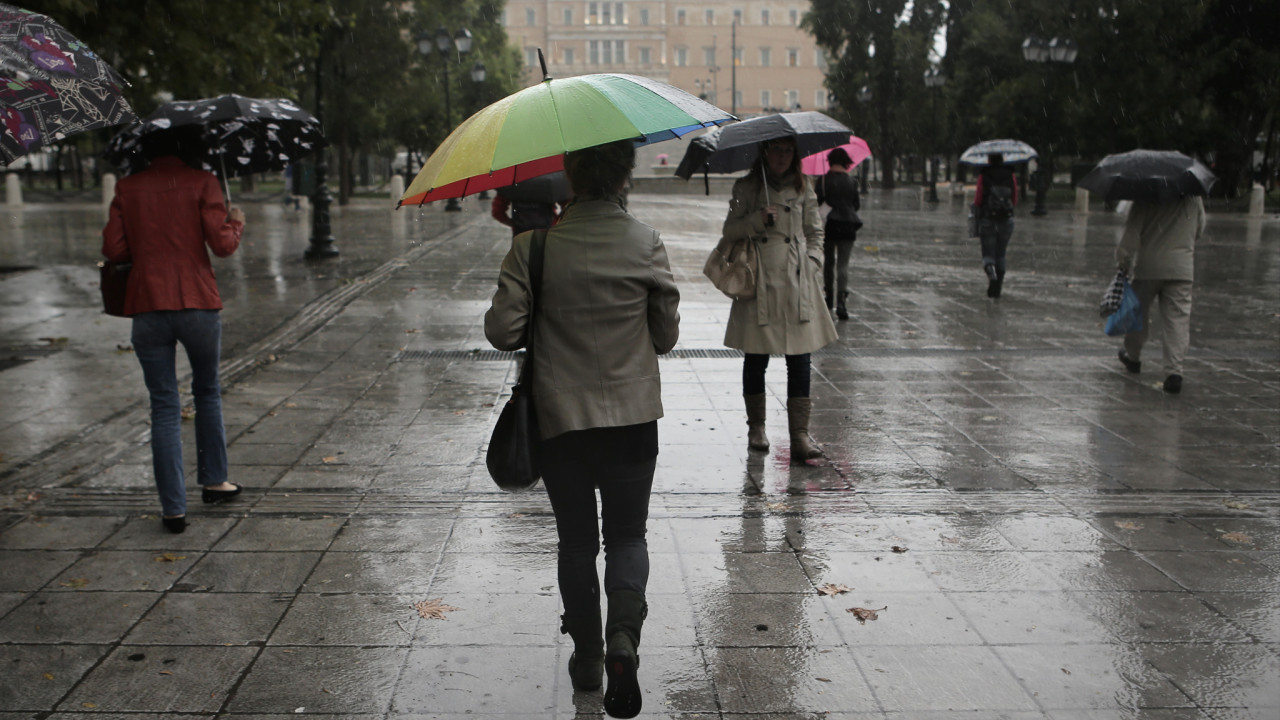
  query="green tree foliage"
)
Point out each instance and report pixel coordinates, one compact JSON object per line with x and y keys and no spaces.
{"x":881,"y":47}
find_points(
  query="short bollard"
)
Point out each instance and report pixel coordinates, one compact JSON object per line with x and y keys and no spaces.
{"x":1257,"y":197}
{"x":1082,"y":201}
{"x":108,"y":188}
{"x":12,"y":190}
{"x":397,"y":188}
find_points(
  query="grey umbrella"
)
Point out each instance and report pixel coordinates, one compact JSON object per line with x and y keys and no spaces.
{"x":733,"y":148}
{"x":1153,"y":176}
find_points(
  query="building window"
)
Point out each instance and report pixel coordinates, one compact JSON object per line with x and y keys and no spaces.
{"x":709,"y":56}
{"x":606,"y":14}
{"x":680,"y":16}
{"x":820,"y":99}
{"x":737,"y":56}
{"x":737,"y":16}
{"x":682,"y":57}
{"x":795,"y":17}
{"x":644,"y":56}
{"x":793,"y":99}
{"x":568,"y":56}
{"x":644,"y":16}
{"x":568,"y":16}
{"x":593,"y":13}
{"x":793,"y":57}
{"x":711,"y":17}
{"x":605,"y":52}
{"x":766,"y":99}
{"x":766,"y":57}
{"x":737,"y":98}
{"x":764,"y":17}
{"x":531,"y":57}
{"x":819,"y":58}
{"x":530,"y":17}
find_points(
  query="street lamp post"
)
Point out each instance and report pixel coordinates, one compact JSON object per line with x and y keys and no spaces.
{"x":1058,"y":50}
{"x":321,"y":229}
{"x":461,"y":42}
{"x":934,"y":80}
{"x":863,"y":96}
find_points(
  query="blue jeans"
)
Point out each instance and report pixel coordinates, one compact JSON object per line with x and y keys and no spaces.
{"x":155,"y":338}
{"x":994,"y":235}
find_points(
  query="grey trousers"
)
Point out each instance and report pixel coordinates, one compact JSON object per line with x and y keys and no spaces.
{"x":1174,"y":297}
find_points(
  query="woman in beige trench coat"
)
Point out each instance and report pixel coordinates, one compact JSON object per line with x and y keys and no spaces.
{"x":788,"y":316}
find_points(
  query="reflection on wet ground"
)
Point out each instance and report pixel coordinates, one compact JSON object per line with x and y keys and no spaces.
{"x":1042,"y":534}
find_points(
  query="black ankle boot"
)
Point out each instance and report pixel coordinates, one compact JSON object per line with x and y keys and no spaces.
{"x":999,"y":283}
{"x":627,"y":610}
{"x":992,"y":281}
{"x":586,"y":664}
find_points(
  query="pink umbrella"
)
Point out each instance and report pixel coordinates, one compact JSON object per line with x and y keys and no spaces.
{"x":816,"y":164}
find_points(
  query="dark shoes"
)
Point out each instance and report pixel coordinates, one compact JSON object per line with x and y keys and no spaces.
{"x":1133,"y":366}
{"x":1173,"y":384}
{"x":994,"y":280}
{"x":586,"y":663}
{"x":622,"y":696}
{"x":175,"y":525}
{"x":217,"y":496}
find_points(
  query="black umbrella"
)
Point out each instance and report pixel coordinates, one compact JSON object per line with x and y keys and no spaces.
{"x":51,"y":85}
{"x":240,"y":135}
{"x":733,"y":148}
{"x":552,"y":188}
{"x":1153,"y":176}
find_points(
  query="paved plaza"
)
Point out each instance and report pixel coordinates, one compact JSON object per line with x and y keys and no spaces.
{"x":1043,"y":535}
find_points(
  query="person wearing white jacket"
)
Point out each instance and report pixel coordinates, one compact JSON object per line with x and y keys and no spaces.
{"x":1157,"y":250}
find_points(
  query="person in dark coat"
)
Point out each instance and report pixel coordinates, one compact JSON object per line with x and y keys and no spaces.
{"x":996,"y":197}
{"x":837,"y":190}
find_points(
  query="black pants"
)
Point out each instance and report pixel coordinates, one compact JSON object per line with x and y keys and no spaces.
{"x":620,"y":462}
{"x":798,"y":372}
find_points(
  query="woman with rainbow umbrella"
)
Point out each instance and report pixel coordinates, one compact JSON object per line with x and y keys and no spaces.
{"x":595,"y":295}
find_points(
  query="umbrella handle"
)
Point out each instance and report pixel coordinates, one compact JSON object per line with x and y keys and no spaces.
{"x":226,"y":187}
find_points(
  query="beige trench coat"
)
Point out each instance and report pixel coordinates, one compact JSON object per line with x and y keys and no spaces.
{"x":609,"y":308}
{"x":788,"y":315}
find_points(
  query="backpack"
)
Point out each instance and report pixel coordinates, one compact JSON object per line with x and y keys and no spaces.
{"x":997,"y":202}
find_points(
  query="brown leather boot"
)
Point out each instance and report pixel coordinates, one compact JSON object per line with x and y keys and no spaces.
{"x":803,"y":446}
{"x":756,"y":439}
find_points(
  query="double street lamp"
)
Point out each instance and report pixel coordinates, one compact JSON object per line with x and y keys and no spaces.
{"x":934,"y":80}
{"x":1057,"y":50}
{"x":443,"y":42}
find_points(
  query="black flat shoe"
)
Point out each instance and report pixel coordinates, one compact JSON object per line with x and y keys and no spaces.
{"x":217,"y":496}
{"x":175,"y":525}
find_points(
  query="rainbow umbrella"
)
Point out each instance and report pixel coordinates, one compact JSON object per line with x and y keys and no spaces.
{"x":816,"y":164}
{"x":527,"y":134}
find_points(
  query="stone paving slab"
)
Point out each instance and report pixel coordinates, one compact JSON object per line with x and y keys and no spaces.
{"x":1072,"y":542}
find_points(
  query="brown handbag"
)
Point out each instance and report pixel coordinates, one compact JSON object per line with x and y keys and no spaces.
{"x":114,"y":281}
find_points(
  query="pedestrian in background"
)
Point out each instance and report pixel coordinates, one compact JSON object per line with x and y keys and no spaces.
{"x":607,"y":307}
{"x":838,"y":191}
{"x":162,"y":219}
{"x":523,"y":216}
{"x":1157,"y":251}
{"x":995,"y":198}
{"x":774,"y":207}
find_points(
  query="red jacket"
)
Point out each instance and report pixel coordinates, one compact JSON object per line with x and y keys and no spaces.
{"x":161,"y":219}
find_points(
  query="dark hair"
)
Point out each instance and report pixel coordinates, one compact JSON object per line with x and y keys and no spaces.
{"x":839,"y":157}
{"x":601,"y":170}
{"x":182,"y":142}
{"x":995,"y":158}
{"x":758,"y":170}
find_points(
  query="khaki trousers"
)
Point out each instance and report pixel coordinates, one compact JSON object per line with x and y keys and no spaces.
{"x":1175,"y":320}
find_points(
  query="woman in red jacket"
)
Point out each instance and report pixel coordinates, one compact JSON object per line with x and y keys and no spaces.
{"x":161,"y":220}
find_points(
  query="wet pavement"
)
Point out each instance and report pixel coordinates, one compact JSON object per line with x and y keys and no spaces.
{"x":1043,"y":534}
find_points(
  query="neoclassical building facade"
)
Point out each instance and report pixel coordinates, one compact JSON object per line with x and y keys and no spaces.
{"x":746,"y":57}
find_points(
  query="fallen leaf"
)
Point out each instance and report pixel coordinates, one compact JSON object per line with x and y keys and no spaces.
{"x":1237,"y":537}
{"x":947,"y":539}
{"x":899,"y":548}
{"x":124,"y":348}
{"x":1066,"y":671}
{"x":89,"y":705}
{"x":75,"y":583}
{"x":823,"y":679}
{"x":53,"y":340}
{"x":459,"y":412}
{"x":291,"y":405}
{"x":170,"y":557}
{"x":433,"y":609}
{"x":411,"y":331}
{"x":1128,"y":525}
{"x":32,"y":497}
{"x":329,"y":459}
{"x":166,"y":672}
{"x":188,"y":412}
{"x":830,"y":589}
{"x":776,"y":506}
{"x":1236,"y":504}
{"x":48,"y":676}
{"x":865,"y":614}
{"x":516,"y":515}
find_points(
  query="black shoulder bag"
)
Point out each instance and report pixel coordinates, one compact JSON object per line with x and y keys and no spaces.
{"x":513,"y":448}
